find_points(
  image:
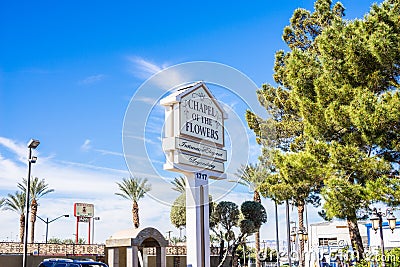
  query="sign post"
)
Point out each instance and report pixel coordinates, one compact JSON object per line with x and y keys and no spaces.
{"x":193,"y":145}
{"x":83,"y":213}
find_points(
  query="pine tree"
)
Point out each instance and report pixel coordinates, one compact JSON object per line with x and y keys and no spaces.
{"x":340,"y":83}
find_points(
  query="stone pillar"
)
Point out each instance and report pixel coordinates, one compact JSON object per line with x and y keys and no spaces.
{"x":113,"y":257}
{"x":158,"y":257}
{"x":145,"y":258}
{"x":132,"y":257}
{"x":197,"y":221}
{"x":163,"y":256}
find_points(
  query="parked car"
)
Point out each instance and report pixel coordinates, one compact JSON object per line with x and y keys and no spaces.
{"x":60,"y":262}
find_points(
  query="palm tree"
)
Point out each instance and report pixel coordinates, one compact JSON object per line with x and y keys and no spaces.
{"x":251,"y":176}
{"x":38,"y":188}
{"x":2,"y":200}
{"x":16,"y":203}
{"x":179,"y":184}
{"x":133,"y":189}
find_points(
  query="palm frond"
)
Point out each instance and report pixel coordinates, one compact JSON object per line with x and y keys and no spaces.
{"x":179,"y":184}
{"x":38,"y":188}
{"x":250,"y":175}
{"x":133,"y":188}
{"x":15,"y":202}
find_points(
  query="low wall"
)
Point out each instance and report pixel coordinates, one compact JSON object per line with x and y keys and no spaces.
{"x":51,"y":249}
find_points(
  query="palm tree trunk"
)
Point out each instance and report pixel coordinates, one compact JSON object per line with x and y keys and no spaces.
{"x":34,"y":206}
{"x":135,"y":214}
{"x":257,"y":198}
{"x":21,"y":227}
{"x":300,"y":211}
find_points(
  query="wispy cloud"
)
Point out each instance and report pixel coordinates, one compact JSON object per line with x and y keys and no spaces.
{"x":108,"y":152}
{"x":147,"y":100}
{"x":90,"y":166}
{"x":92,"y":79}
{"x":17,"y":148}
{"x":164,"y":77}
{"x":76,"y":182}
{"x":142,"y":68}
{"x":86,"y":145}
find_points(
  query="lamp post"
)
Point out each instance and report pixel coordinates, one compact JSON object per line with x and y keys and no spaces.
{"x":94,"y":219}
{"x":277,"y":235}
{"x":32,"y":144}
{"x":47,"y":222}
{"x":169,"y":237}
{"x":376,"y":220}
{"x":293,"y":234}
{"x":289,"y":249}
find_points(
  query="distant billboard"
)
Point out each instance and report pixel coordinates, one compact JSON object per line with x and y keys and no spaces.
{"x":83,"y":210}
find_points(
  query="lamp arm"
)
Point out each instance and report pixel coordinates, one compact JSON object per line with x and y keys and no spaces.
{"x":57,"y":218}
{"x":41,"y":218}
{"x":389,"y":211}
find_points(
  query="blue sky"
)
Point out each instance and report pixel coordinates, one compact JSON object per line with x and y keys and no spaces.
{"x":68,"y":70}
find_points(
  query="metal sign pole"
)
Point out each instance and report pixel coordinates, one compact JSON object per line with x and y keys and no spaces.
{"x":77,"y":227}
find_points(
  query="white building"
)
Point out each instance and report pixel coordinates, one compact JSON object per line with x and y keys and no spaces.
{"x":327,"y":238}
{"x":391,"y":240}
{"x":334,"y":234}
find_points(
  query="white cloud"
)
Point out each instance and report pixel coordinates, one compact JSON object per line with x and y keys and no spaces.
{"x":86,"y":145}
{"x":78,"y":182}
{"x":108,"y":152}
{"x":92,"y":79}
{"x":147,"y":100}
{"x":143,"y":68}
{"x":165,"y":79}
{"x":19,"y":149}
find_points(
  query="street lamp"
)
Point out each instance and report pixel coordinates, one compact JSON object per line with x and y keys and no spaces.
{"x":169,"y":237}
{"x":47,"y":222}
{"x":376,"y":220}
{"x":32,"y":144}
{"x":293,"y":233}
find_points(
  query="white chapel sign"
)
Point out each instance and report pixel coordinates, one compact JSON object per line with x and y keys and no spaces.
{"x":193,"y":144}
{"x":201,"y":117}
{"x":194,"y":131}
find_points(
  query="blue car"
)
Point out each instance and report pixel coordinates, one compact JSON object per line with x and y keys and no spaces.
{"x":59,"y":262}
